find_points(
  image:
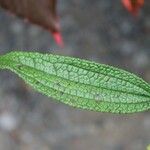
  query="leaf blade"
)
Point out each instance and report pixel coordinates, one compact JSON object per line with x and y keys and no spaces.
{"x":81,"y":83}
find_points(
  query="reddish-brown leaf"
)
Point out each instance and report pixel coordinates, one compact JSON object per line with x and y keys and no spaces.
{"x":133,"y":6}
{"x":40,"y":12}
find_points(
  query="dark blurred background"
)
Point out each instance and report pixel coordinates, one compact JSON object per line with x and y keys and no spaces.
{"x":99,"y":30}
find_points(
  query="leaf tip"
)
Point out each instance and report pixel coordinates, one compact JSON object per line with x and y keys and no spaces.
{"x":58,"y":38}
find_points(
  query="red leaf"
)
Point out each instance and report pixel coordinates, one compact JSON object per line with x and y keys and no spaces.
{"x":40,"y":12}
{"x":133,"y":6}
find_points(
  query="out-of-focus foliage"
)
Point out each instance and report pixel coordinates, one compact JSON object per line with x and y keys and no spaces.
{"x":40,"y":12}
{"x":133,"y":6}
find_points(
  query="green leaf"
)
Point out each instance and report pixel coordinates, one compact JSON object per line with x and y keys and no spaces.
{"x":148,"y":147}
{"x":80,"y":83}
